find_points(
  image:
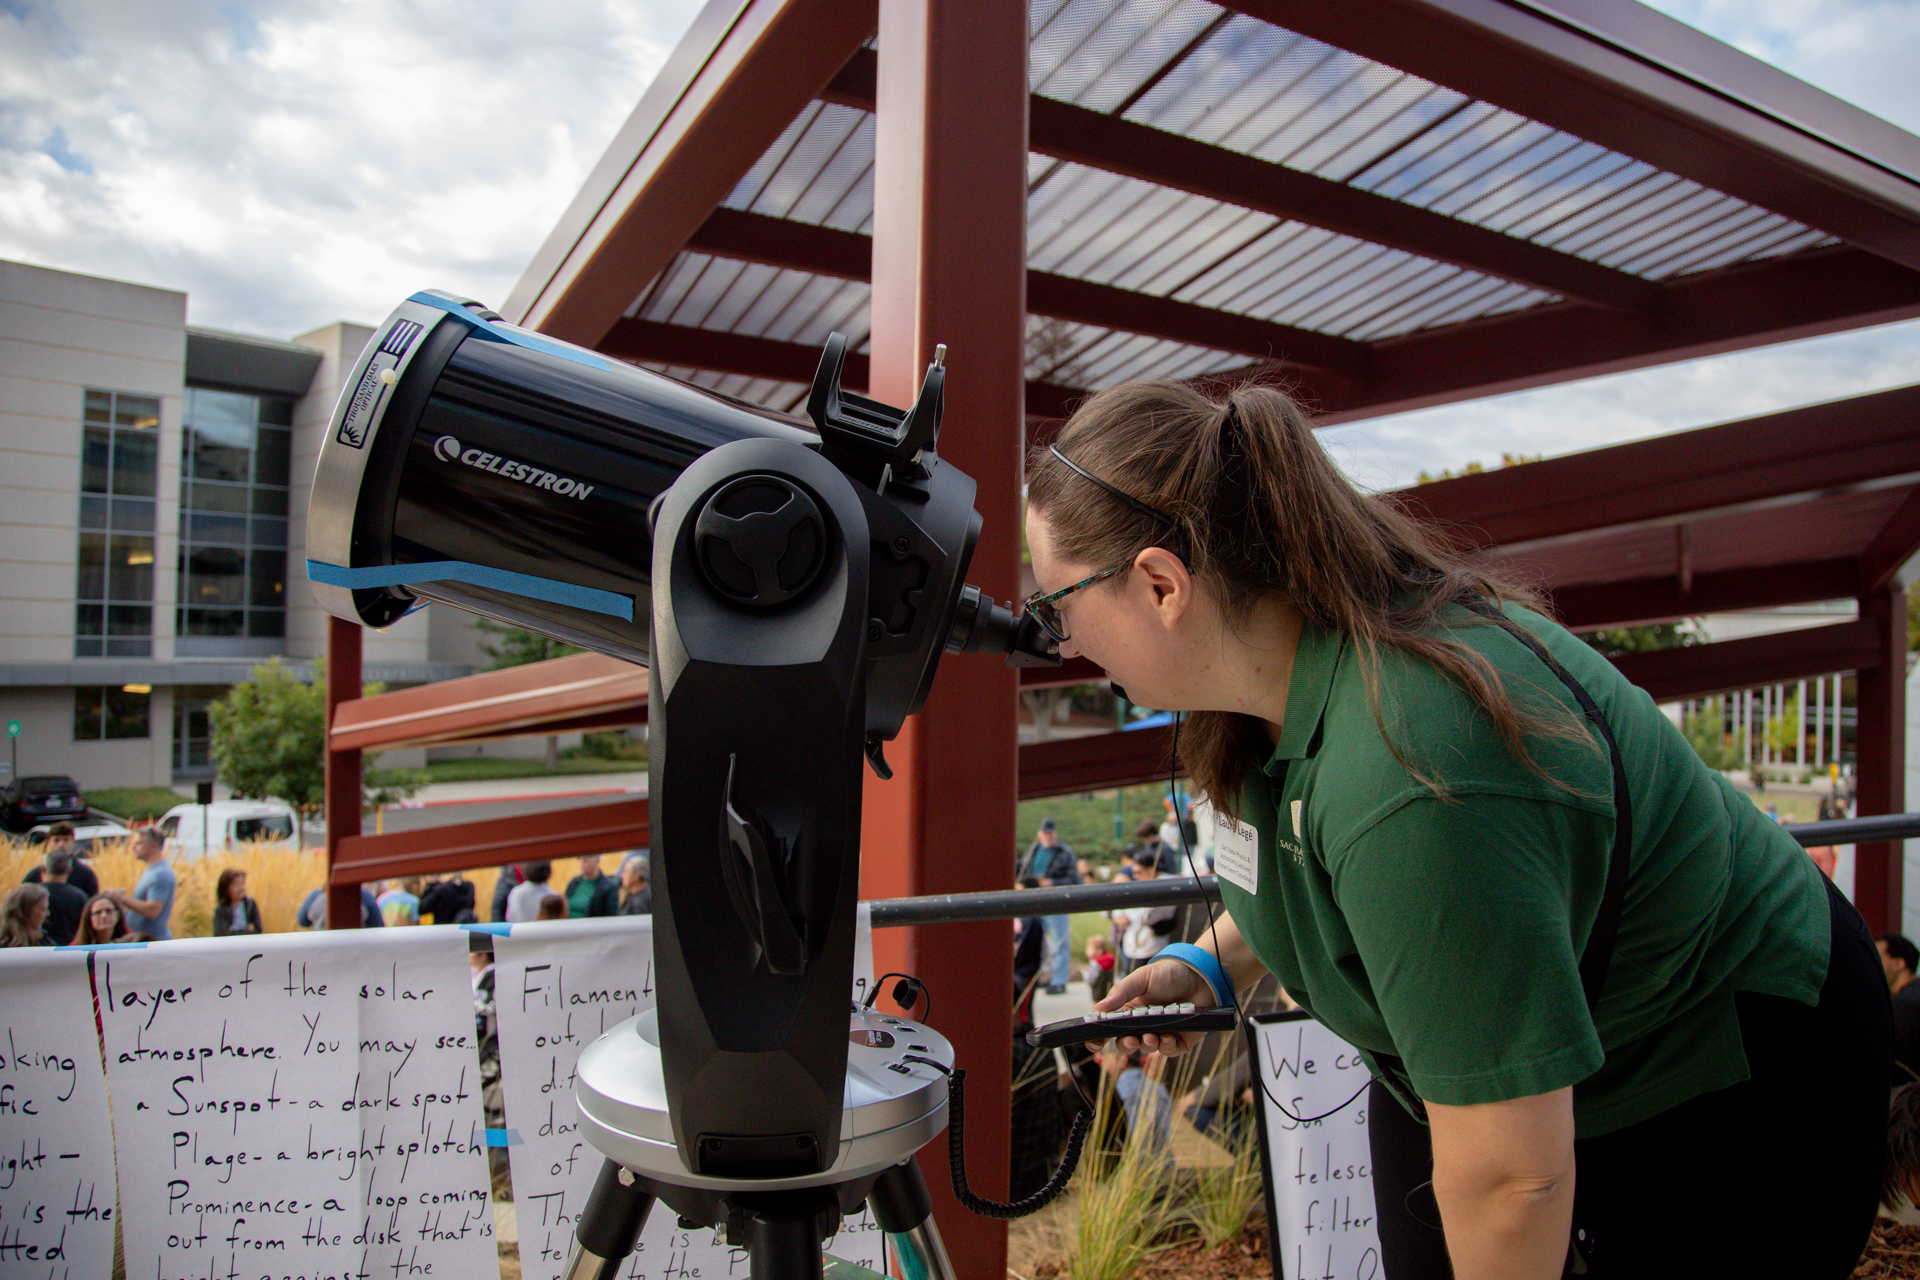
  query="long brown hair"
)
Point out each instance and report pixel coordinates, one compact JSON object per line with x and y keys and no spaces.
{"x":1264,"y":514}
{"x":87,"y":935}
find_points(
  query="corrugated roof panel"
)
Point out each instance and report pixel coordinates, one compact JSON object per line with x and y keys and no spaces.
{"x":1788,"y":237}
{"x":1725,"y":223}
{"x":1614,"y":238}
{"x":1394,"y":108}
{"x":815,"y":307}
{"x":818,"y":167}
{"x":755,"y":179}
{"x":1097,"y":53}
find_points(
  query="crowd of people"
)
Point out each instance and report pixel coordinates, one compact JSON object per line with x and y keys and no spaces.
{"x":61,"y":903}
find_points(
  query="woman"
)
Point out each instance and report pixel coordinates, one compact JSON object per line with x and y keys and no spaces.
{"x":102,"y":922}
{"x":1416,"y":822}
{"x":233,"y":911}
{"x":23,"y":917}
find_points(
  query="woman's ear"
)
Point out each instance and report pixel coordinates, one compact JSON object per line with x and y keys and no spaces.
{"x":1168,"y":579}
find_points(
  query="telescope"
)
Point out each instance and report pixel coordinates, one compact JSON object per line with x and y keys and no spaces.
{"x":791,"y":584}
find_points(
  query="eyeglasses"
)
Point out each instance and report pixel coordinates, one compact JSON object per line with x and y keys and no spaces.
{"x":1041,"y":607}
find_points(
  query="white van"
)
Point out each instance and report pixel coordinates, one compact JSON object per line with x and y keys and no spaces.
{"x":194,"y":829}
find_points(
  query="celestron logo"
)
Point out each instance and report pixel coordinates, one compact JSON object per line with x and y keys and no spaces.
{"x":448,"y":449}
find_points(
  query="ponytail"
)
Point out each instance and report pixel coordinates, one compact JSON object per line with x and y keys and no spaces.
{"x":1264,"y":514}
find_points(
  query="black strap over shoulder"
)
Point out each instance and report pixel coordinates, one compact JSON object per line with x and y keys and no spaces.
{"x":1606,"y":925}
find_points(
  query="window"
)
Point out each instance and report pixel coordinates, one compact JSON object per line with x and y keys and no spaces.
{"x":235,"y":459}
{"x":112,"y":711}
{"x":119,"y":473}
{"x":193,"y":728}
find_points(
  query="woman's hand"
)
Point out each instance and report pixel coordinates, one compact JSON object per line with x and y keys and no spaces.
{"x":1161,"y":982}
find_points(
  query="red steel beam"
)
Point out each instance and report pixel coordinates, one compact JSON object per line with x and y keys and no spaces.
{"x":1891,"y":548}
{"x":1662,"y":599}
{"x":1116,"y":145}
{"x":949,"y":265}
{"x":1711,"y":470}
{"x":556,"y":696}
{"x":651,"y":342}
{"x":1644,"y":85}
{"x":1122,"y":758}
{"x":1806,"y":294}
{"x":460,"y":846}
{"x":847,"y":255}
{"x":342,"y":776}
{"x":1880,"y":756}
{"x":731,"y":87}
{"x":1704,"y":669}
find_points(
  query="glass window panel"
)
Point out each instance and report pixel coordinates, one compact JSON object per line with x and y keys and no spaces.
{"x":91,"y":582}
{"x":126,"y":713}
{"x":215,"y":575}
{"x":89,"y":620}
{"x":96,"y":459}
{"x":88,"y":649}
{"x":214,"y":622}
{"x":270,"y":623}
{"x":99,"y":406}
{"x":272,"y":452}
{"x":130,"y":569}
{"x":93,"y":513}
{"x":207,"y":407}
{"x":269,"y":502}
{"x":269,"y":533}
{"x":232,"y":529}
{"x":133,"y":513}
{"x":130,"y":648}
{"x":129,"y":620}
{"x":269,"y":579}
{"x":219,"y":497}
{"x":86,"y":713}
{"x":136,"y":462}
{"x":221,"y":451}
{"x":277,"y":410}
{"x":142,"y":412}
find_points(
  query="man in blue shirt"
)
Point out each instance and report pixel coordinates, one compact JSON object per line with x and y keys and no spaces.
{"x":149,"y":907}
{"x":1050,"y":861}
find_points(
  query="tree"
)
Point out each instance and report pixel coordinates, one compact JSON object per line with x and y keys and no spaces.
{"x":269,"y":742}
{"x":1614,"y":641}
{"x":1706,"y":732}
{"x":513,"y":647}
{"x":1474,"y":468}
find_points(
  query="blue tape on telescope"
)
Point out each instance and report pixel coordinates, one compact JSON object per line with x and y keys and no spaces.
{"x":373,"y":577}
{"x":509,"y":333}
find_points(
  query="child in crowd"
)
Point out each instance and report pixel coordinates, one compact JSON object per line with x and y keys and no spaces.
{"x":1099,"y":970}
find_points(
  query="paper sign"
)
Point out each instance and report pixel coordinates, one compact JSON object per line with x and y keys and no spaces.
{"x":298,"y":1104}
{"x":1319,"y":1169}
{"x":557,"y":986}
{"x":56,"y":1145}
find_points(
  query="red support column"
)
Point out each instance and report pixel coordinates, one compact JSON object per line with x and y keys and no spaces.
{"x":1880,"y":758}
{"x":343,"y":769}
{"x":949,"y":266}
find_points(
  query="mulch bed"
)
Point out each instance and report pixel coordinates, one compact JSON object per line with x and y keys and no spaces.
{"x":1892,"y":1253}
{"x":1242,"y":1259}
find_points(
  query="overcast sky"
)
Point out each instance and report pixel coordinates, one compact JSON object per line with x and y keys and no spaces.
{"x":289,"y":164}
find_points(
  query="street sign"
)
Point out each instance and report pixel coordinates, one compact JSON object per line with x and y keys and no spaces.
{"x":13,"y":728}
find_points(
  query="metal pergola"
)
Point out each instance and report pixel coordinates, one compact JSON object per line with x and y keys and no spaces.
{"x":1383,"y":204}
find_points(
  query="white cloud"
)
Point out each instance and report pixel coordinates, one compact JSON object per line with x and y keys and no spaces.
{"x":291,"y":164}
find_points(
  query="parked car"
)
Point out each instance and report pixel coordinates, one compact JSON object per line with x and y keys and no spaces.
{"x":51,"y":798}
{"x":85,"y":835}
{"x":194,"y":829}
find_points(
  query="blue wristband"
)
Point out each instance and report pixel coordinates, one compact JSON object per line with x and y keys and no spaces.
{"x":1206,"y":964}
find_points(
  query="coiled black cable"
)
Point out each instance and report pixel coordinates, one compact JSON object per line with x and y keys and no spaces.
{"x":957,"y":1161}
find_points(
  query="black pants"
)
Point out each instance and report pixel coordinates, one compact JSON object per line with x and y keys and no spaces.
{"x":1776,"y":1176}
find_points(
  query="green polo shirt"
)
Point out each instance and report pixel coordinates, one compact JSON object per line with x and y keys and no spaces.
{"x":1446,"y":932}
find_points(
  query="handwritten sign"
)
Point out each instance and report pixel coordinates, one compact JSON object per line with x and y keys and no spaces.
{"x":56,"y":1145}
{"x":1319,"y":1171}
{"x":557,"y":986}
{"x":298,"y":1104}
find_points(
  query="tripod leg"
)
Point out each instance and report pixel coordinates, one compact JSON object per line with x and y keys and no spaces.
{"x":783,"y":1246}
{"x":903,"y":1209}
{"x":609,"y":1225}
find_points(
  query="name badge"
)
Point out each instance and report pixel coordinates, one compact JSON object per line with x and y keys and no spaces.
{"x":1236,"y":852}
